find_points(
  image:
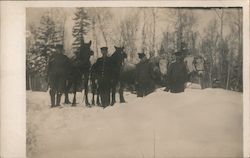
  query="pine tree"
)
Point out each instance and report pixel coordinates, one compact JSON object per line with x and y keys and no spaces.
{"x":82,"y":22}
{"x":47,"y":37}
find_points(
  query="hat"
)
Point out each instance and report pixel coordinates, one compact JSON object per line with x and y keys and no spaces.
{"x":141,"y":55}
{"x":178,"y":53}
{"x":104,"y":48}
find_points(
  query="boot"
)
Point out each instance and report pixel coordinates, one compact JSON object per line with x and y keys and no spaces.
{"x":58,"y":99}
{"x":52,"y":98}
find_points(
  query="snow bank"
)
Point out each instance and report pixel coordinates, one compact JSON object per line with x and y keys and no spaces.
{"x":196,"y":123}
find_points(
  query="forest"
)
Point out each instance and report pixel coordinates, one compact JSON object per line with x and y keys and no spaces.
{"x":214,"y":33}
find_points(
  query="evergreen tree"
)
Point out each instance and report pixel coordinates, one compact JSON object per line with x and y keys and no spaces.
{"x":82,"y":22}
{"x":45,"y":40}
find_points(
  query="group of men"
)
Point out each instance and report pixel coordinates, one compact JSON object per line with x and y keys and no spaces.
{"x":177,"y":75}
{"x":144,"y":83}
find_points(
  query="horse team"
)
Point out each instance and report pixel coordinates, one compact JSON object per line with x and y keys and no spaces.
{"x":65,"y":75}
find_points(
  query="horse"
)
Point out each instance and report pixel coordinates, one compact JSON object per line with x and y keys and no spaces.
{"x":94,"y":84}
{"x":117,"y":61}
{"x":128,"y":76}
{"x":80,"y":66}
{"x":195,"y":65}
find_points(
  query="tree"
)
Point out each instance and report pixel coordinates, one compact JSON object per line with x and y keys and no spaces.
{"x":40,"y":42}
{"x":184,"y":30}
{"x":129,"y":30}
{"x":82,"y":22}
{"x":235,"y":39}
{"x":47,"y":37}
{"x":209,"y":49}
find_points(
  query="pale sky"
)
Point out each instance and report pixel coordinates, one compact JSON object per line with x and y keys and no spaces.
{"x":163,"y":22}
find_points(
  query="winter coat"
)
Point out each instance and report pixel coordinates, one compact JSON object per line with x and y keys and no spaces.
{"x":103,"y":70}
{"x":176,"y":77}
{"x":144,"y":78}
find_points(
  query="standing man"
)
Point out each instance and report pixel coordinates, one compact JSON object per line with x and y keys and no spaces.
{"x":144,"y":79}
{"x":57,"y":74}
{"x":103,"y":68}
{"x":176,"y":75}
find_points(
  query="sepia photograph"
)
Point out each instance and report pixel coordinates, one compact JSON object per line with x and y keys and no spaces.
{"x":134,"y":82}
{"x":121,"y":80}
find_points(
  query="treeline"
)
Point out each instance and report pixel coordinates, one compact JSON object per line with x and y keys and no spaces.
{"x":155,"y":31}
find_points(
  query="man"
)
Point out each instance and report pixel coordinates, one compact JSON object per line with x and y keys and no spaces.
{"x":144,"y":78}
{"x":176,"y":75}
{"x":103,"y":68}
{"x":57,"y":74}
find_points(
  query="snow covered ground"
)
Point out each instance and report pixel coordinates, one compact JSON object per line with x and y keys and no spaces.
{"x":196,"y":123}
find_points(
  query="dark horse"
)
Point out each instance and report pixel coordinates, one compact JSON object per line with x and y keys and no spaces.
{"x":116,"y":62}
{"x":128,"y":76}
{"x":80,"y":66}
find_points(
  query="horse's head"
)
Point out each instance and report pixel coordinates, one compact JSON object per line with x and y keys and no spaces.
{"x":85,"y":52}
{"x":199,"y":65}
{"x":119,"y":55}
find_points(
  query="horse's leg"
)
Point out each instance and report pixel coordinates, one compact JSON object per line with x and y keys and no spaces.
{"x":122,"y":100}
{"x":86,"y":88}
{"x":52,"y":97}
{"x":74,"y":92}
{"x":113,"y":91}
{"x":93,"y":98}
{"x":67,"y":88}
{"x":58,"y":98}
{"x":93,"y":88}
{"x":98,"y":98}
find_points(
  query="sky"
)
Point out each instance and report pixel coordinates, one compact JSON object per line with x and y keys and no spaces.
{"x":163,"y":22}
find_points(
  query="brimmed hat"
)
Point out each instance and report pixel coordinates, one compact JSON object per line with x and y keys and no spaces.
{"x":141,"y":55}
{"x":104,"y":48}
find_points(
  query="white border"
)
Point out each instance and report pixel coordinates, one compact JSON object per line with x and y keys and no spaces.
{"x":13,"y":94}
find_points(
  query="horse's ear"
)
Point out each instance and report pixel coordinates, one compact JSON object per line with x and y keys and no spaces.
{"x":115,"y":47}
{"x":90,"y":42}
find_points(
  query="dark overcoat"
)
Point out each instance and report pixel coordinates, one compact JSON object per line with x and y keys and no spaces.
{"x":177,"y":77}
{"x":103,"y":68}
{"x":144,"y":78}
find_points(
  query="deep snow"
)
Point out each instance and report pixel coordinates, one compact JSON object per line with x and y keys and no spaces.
{"x":196,"y":123}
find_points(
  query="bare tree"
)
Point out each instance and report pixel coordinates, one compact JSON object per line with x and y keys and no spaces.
{"x":129,"y":30}
{"x":209,"y":49}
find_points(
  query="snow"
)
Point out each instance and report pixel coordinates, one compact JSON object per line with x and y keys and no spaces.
{"x":196,"y":123}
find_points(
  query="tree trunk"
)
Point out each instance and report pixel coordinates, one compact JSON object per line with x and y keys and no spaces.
{"x":228,"y":75}
{"x":154,"y":24}
{"x":102,"y":30}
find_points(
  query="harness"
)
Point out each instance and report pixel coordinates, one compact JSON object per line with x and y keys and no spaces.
{"x":197,"y":70}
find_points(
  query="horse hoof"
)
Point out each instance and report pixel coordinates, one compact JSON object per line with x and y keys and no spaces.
{"x":73,"y":105}
{"x":122,"y":101}
{"x":67,"y":102}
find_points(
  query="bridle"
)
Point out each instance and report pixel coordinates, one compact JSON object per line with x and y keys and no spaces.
{"x":198,"y":70}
